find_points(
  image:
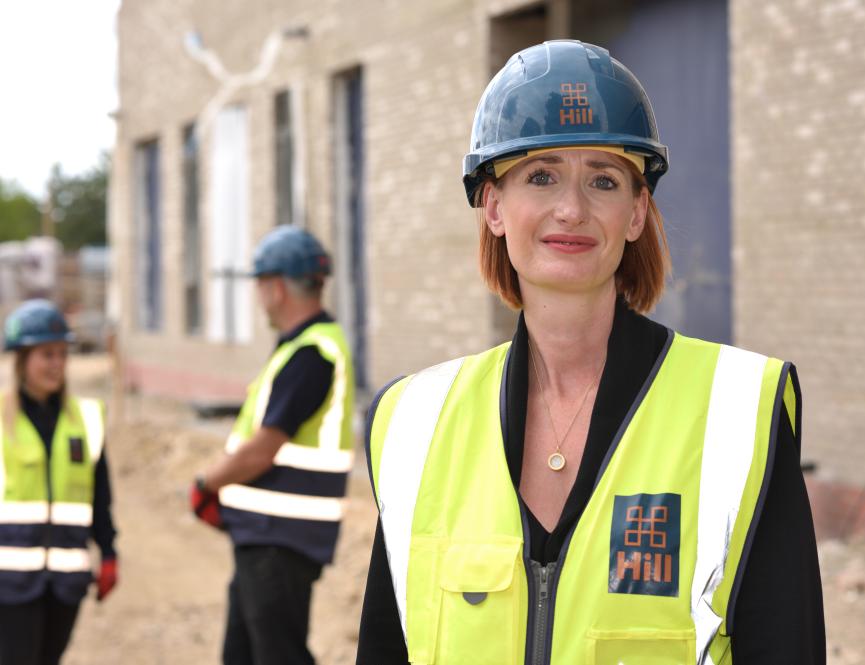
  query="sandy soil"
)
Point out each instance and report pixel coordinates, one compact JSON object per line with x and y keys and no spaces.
{"x":169,"y":607}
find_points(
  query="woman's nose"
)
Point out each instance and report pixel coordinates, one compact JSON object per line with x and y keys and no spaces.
{"x":572,"y":208}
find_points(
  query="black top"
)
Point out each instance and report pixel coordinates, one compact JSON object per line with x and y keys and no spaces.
{"x":778,"y":615}
{"x":44,"y":418}
{"x":301,"y":386}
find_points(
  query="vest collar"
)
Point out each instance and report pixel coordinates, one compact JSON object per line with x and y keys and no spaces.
{"x":321,"y":317}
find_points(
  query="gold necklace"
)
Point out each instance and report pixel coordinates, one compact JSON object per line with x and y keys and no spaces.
{"x":557,"y":461}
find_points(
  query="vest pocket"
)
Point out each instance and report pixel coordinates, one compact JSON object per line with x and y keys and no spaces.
{"x":480,"y":604}
{"x":642,"y":647}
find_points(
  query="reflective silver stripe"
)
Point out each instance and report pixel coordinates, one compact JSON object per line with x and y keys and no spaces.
{"x":314,"y":459}
{"x":68,"y":560}
{"x":728,"y":447}
{"x":72,"y":514}
{"x":281,"y":504}
{"x":404,"y":453}
{"x":62,"y":560}
{"x":233,"y":443}
{"x":330,"y":432}
{"x":23,"y":512}
{"x":91,"y":413}
{"x":263,"y":397}
{"x":22,"y":558}
{"x":37,"y":512}
{"x":304,"y":457}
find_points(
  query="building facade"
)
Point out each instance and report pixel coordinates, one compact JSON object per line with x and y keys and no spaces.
{"x":351,"y":119}
{"x":798,"y":118}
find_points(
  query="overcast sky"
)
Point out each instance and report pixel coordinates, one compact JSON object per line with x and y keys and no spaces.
{"x":58,"y":64}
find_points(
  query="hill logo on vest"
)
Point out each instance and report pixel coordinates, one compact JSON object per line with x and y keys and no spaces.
{"x":76,"y":449}
{"x":644,"y":544}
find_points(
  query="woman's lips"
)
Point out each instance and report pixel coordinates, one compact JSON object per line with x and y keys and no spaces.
{"x":569,"y":244}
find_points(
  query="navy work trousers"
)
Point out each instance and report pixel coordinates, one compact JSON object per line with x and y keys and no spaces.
{"x":36,"y":633}
{"x":268,"y":607}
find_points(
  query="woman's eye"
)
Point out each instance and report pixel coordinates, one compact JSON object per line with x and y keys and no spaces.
{"x":539,"y":177}
{"x":605,"y":182}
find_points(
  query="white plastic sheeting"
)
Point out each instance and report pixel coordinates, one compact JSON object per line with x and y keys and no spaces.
{"x":230,"y":313}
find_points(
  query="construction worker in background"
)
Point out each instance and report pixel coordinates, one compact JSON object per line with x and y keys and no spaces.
{"x":278,"y":489}
{"x":55,"y":494}
{"x":602,"y":489}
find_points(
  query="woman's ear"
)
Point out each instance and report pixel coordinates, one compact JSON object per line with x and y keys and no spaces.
{"x":638,"y":220}
{"x":492,"y":205}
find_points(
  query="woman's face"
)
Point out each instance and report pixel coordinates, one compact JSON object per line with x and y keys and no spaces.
{"x":566,"y":215}
{"x":45,"y":369}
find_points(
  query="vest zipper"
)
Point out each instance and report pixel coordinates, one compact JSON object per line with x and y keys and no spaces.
{"x":542,"y":576}
{"x":48,"y":536}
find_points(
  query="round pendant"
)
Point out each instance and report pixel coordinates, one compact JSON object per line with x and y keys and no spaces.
{"x":556,"y":462}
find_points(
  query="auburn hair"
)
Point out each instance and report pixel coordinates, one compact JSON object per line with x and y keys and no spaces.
{"x":640,"y":277}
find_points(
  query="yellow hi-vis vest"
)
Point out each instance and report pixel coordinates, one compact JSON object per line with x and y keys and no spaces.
{"x":646,"y":576}
{"x":49,"y":508}
{"x":299,"y":502}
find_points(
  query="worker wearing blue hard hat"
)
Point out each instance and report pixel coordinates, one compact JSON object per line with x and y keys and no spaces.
{"x":278,"y":489}
{"x":55,"y":495}
{"x":291,"y":252}
{"x":35,"y":322}
{"x":602,"y":489}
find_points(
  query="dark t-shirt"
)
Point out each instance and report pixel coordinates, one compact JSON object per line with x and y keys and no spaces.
{"x":778,"y":615}
{"x":302,"y":384}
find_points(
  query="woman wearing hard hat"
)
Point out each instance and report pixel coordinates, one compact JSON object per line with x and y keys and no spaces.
{"x":601,"y":490}
{"x":54,"y":493}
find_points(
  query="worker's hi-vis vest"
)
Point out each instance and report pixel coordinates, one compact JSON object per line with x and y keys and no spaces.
{"x":46,"y":511}
{"x":650,"y":572}
{"x":298,"y":503}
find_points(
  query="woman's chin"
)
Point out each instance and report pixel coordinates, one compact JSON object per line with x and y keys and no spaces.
{"x":50,"y":387}
{"x":567,"y":283}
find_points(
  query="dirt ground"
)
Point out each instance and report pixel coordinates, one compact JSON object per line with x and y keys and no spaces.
{"x":169,"y":607}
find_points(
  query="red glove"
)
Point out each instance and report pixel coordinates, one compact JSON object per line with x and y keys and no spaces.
{"x":107,"y":578}
{"x":205,"y":504}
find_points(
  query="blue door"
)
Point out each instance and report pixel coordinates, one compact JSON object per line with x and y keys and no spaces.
{"x":357,"y":223}
{"x":679,"y":49}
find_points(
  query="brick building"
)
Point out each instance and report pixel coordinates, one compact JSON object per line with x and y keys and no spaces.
{"x":351,"y":118}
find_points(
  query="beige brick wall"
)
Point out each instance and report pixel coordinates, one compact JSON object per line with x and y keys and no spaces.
{"x":798,"y":140}
{"x":798,"y":82}
{"x":424,"y":67}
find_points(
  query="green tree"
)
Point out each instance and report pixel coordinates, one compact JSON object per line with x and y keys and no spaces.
{"x":78,"y":205}
{"x":20,"y":217}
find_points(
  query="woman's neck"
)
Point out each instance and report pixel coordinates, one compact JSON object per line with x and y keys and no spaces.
{"x":569,"y":333}
{"x":38,"y":396}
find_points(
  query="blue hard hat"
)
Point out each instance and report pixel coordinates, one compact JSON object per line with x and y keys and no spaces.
{"x":562,"y":93}
{"x":291,"y":252}
{"x":35,"y":322}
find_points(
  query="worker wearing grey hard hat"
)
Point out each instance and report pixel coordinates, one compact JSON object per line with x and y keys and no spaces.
{"x":278,"y":489}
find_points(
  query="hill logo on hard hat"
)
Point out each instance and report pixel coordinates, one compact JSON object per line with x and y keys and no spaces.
{"x":644,"y":545}
{"x":575,"y":105}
